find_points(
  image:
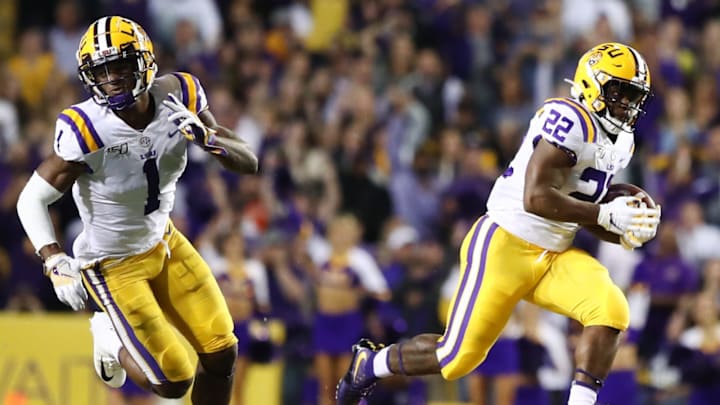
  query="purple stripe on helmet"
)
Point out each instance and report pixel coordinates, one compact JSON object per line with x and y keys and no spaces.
{"x":90,"y":126}
{"x":471,"y":304}
{"x":184,"y":87}
{"x":463,"y":282}
{"x":110,"y":302}
{"x":83,"y":145}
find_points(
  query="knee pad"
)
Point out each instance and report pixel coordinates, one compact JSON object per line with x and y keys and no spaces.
{"x":220,"y":331}
{"x":171,"y":389}
{"x":221,"y":363}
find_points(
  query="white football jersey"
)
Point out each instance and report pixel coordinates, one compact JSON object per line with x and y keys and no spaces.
{"x":126,"y":196}
{"x":568,"y":125}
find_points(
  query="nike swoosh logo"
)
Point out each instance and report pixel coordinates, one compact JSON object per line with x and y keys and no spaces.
{"x":358,"y":360}
{"x":103,"y":374}
{"x":613,"y":222}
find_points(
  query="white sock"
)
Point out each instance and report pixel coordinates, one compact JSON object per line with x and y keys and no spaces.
{"x":581,"y":395}
{"x":380,"y":363}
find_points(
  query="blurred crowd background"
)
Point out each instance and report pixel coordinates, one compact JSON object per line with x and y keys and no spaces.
{"x":380,"y":126}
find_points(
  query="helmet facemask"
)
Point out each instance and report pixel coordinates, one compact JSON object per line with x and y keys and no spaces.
{"x":128,"y":69}
{"x":624,"y":104}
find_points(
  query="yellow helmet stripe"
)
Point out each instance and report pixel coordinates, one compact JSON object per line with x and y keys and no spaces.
{"x":189,"y":91}
{"x":588,"y":125}
{"x":82,"y":127}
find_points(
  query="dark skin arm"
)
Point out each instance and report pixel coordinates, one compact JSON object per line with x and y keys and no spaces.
{"x":239,"y":157}
{"x":547,"y":171}
{"x":602,"y":234}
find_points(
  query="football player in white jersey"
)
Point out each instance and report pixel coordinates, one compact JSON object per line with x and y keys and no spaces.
{"x":122,"y":151}
{"x":521,"y":249}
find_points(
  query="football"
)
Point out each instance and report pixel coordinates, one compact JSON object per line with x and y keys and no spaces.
{"x":625,"y":189}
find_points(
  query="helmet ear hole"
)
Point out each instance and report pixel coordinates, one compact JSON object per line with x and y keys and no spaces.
{"x":586,"y":84}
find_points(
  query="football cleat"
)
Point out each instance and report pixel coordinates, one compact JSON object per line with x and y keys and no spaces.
{"x":106,"y":344}
{"x":360,"y":380}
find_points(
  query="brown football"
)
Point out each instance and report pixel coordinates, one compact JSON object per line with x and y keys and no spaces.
{"x":625,"y":189}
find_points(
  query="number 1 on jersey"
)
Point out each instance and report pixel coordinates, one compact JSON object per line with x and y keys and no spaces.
{"x":153,"y":184}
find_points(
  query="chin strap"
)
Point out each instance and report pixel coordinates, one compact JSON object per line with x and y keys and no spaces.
{"x":120,"y":102}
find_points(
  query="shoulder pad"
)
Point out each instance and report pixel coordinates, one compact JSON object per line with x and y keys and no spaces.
{"x":192,"y":92}
{"x":575,"y":112}
{"x":82,"y":129}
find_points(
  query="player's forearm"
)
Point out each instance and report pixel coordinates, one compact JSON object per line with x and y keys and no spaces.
{"x":600,"y":233}
{"x":32,"y":208}
{"x":239,"y":157}
{"x":551,"y":204}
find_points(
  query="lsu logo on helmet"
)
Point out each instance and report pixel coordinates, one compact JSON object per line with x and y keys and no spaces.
{"x":613,"y":81}
{"x":115,"y":39}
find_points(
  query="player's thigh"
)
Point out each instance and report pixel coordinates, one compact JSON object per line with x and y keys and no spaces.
{"x":496,"y":272}
{"x":191,"y":298}
{"x":123,"y":291}
{"x":578,"y":286}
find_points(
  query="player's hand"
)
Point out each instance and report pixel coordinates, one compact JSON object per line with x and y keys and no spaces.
{"x":192,"y":128}
{"x":629,"y":241}
{"x":64,"y":272}
{"x":647,"y":231}
{"x":620,"y":214}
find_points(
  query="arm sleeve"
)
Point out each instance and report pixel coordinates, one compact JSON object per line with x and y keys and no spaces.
{"x":191,"y":92}
{"x":32,"y":208}
{"x":565,"y":124}
{"x":368,"y":271}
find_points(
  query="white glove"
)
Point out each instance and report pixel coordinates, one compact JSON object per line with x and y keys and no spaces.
{"x":64,"y":272}
{"x":629,"y":241}
{"x":192,"y":128}
{"x":620,"y":214}
{"x":646,"y":231}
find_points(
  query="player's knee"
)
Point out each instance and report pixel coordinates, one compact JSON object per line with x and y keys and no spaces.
{"x":221,"y":328}
{"x":614,"y":312}
{"x":221,"y":364}
{"x":172,"y":389}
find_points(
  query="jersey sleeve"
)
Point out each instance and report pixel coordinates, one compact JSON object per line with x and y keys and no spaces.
{"x":75,"y":135}
{"x":565,"y":124}
{"x":192,"y":92}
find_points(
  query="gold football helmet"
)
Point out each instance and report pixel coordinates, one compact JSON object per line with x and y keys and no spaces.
{"x":118,"y":41}
{"x":613,"y":81}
